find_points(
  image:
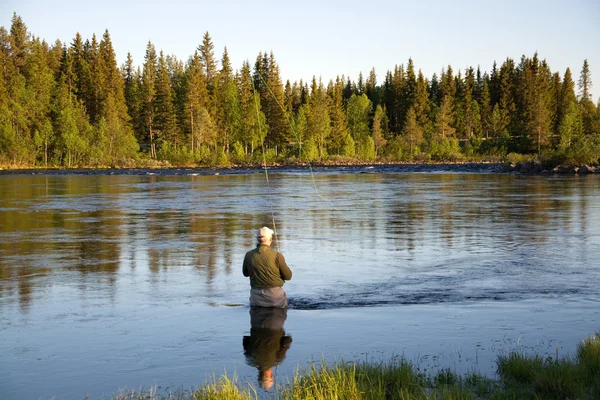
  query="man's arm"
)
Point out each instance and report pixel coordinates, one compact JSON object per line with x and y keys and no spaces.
{"x":284,"y":271}
{"x":245,"y":266}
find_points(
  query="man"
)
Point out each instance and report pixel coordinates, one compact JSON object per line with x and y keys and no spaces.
{"x":267,"y":271}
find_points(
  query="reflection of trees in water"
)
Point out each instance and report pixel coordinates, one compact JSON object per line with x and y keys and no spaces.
{"x":84,"y":224}
{"x":47,"y":236}
{"x":471,"y":208}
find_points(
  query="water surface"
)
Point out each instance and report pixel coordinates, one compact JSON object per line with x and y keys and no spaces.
{"x":111,"y":282}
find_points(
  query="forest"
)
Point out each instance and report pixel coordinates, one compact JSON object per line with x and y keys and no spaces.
{"x":70,"y":105}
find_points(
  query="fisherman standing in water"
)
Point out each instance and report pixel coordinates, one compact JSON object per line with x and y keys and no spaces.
{"x":267,"y":271}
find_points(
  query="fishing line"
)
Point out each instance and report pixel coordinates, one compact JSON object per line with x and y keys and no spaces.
{"x":256,"y":105}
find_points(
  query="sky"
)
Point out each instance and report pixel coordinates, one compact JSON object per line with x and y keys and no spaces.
{"x":330,"y":38}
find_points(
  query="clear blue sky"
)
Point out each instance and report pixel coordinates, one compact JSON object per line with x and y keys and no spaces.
{"x":329,"y":38}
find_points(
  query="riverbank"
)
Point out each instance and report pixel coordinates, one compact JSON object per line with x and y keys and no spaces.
{"x":273,"y":168}
{"x":526,"y":167}
{"x":518,"y":377}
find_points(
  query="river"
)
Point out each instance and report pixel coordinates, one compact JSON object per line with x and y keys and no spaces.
{"x":113,"y":281}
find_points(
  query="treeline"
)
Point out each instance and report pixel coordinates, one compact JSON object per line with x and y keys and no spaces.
{"x":72,"y":105}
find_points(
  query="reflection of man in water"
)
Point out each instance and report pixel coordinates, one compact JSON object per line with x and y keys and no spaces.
{"x":267,"y":271}
{"x":267,"y":344}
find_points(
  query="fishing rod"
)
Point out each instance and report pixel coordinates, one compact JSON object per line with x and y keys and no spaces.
{"x":257,"y":107}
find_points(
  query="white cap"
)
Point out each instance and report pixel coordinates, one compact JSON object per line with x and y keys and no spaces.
{"x":265,"y":232}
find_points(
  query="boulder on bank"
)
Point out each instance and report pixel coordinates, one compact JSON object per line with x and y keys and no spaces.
{"x":587,"y":169}
{"x":566,"y":169}
{"x":530,"y":167}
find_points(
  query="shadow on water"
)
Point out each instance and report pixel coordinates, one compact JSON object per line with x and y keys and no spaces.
{"x":267,"y":344}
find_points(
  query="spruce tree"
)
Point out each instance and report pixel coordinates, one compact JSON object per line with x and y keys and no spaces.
{"x":196,"y":99}
{"x":318,"y":120}
{"x":132,"y":91}
{"x":230,"y":112}
{"x":588,"y":110}
{"x":585,"y":82}
{"x":421,"y":104}
{"x":40,"y":86}
{"x":272,"y":100}
{"x":485,"y":108}
{"x":121,"y":143}
{"x":207,"y":56}
{"x":148,"y":97}
{"x":19,"y":44}
{"x":339,"y":124}
{"x":164,"y":118}
{"x":408,"y":90}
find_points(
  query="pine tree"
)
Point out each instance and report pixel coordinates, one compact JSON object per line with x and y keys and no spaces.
{"x":148,"y":97}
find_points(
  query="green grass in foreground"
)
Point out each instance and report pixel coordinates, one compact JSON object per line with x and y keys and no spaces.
{"x":519,"y":377}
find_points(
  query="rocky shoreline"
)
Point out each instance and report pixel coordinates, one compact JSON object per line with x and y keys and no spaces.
{"x":537,"y":168}
{"x":527,"y":168}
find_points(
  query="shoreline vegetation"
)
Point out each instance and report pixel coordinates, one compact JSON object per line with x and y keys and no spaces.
{"x":69,"y":105}
{"x":532,"y":167}
{"x":519,"y":376}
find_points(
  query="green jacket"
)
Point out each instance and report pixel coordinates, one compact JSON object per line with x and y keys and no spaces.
{"x":266,"y":268}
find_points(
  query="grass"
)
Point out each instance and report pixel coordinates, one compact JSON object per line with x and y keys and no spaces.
{"x":519,"y":377}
